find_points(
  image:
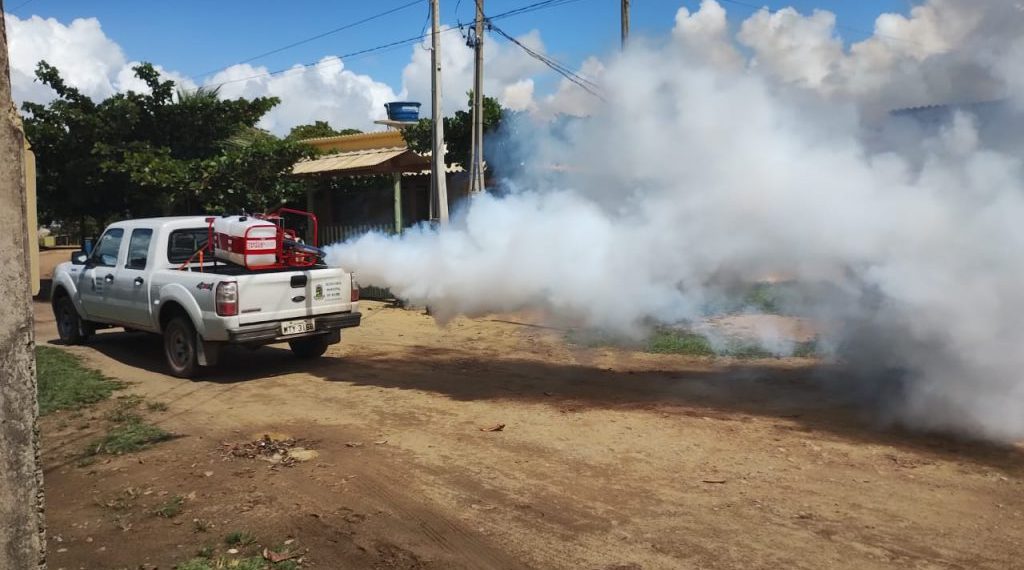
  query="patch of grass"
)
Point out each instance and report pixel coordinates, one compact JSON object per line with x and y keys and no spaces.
{"x":239,"y":538}
{"x":171,"y":508}
{"x":65,"y":384}
{"x":124,"y":409}
{"x":669,"y":341}
{"x":196,"y":564}
{"x":200,"y":525}
{"x":131,"y":435}
{"x":205,"y":552}
{"x":252,"y":563}
{"x":765,"y":297}
{"x":666,"y":341}
{"x":156,"y":406}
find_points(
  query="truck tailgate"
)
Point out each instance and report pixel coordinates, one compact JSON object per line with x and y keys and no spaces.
{"x":293,"y":294}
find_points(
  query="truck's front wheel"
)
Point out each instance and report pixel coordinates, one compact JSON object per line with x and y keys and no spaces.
{"x":309,"y":347}
{"x":70,"y":326}
{"x":180,"y":347}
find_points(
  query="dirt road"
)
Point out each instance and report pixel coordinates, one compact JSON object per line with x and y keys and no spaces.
{"x":609,"y":460}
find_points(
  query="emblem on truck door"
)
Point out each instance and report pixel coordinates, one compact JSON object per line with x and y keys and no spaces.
{"x":319,"y":293}
{"x":207,"y":286}
{"x":298,"y":298}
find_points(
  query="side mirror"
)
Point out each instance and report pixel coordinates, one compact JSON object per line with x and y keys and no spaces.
{"x":79,"y":258}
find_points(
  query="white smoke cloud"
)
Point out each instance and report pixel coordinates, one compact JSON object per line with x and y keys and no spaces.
{"x":692,"y":178}
{"x":571,"y":99}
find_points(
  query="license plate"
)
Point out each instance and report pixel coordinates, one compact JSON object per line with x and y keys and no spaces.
{"x":297,"y":327}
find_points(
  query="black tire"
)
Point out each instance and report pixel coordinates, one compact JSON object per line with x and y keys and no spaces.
{"x":181,"y":347}
{"x":309,"y":347}
{"x":71,"y":328}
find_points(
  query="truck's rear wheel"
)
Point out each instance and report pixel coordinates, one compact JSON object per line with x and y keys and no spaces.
{"x":70,"y":326}
{"x":309,"y":347}
{"x":180,"y":347}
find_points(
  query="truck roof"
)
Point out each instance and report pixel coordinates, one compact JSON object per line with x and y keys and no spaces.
{"x":169,"y":221}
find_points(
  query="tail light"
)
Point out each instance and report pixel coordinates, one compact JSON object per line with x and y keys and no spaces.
{"x":355,"y":289}
{"x":227,"y":298}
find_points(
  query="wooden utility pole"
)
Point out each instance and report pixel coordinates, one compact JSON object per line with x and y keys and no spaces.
{"x":625,"y":22}
{"x":438,"y":182}
{"x":476,"y":160}
{"x":22,"y":543}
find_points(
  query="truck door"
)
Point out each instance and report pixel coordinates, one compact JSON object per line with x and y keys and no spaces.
{"x":129,"y":292}
{"x":98,"y":276}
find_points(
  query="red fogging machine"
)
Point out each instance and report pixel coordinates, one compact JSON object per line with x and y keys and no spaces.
{"x":259,"y":241}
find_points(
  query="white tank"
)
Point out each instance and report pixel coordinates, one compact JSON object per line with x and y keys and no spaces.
{"x":245,"y":241}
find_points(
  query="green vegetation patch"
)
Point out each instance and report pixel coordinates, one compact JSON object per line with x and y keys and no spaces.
{"x":667,"y":341}
{"x":171,"y":508}
{"x":65,"y":384}
{"x":129,"y":436}
{"x":239,"y":538}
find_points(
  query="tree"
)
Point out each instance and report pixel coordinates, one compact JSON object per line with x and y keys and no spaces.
{"x":158,"y":153}
{"x":458,"y":131}
{"x":317,"y":130}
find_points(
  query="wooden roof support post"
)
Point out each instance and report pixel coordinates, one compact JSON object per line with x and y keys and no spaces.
{"x":397,"y":178}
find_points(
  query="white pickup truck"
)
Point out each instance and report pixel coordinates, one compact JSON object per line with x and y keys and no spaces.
{"x":142,"y":275}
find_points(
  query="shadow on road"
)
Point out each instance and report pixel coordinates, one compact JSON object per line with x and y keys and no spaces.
{"x":806,"y":399}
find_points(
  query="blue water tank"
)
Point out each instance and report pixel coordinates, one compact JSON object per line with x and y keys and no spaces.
{"x":403,"y":110}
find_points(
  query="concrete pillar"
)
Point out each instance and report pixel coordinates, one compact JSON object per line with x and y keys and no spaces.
{"x":22,"y":542}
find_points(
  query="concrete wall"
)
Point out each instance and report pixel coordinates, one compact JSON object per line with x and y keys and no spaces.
{"x":22,"y":541}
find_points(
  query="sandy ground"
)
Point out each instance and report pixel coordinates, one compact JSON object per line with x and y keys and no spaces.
{"x":610,"y":459}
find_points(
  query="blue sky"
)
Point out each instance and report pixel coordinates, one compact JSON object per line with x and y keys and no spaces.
{"x":198,"y":36}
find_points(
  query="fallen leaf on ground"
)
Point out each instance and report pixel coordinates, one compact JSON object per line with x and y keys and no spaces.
{"x":275,"y":557}
{"x":495,"y":427}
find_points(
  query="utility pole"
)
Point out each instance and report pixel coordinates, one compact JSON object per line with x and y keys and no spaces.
{"x":625,"y":22}
{"x":22,"y":543}
{"x":476,"y":161}
{"x":438,"y":182}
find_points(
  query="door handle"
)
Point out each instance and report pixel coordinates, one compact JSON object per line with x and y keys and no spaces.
{"x":109,"y":278}
{"x":138,"y":282}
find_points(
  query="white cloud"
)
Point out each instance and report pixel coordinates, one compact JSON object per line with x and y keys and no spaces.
{"x":706,"y":33}
{"x":322,"y":92}
{"x":86,"y":57}
{"x":505,"y":69}
{"x":943,"y":51}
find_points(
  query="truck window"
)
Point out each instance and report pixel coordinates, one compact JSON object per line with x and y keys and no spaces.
{"x":181,"y":244}
{"x":138,"y":248}
{"x":105,"y":254}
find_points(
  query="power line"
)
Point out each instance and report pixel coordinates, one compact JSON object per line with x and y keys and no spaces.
{"x":582,"y":82}
{"x":20,"y":6}
{"x":532,"y":8}
{"x":391,"y":45}
{"x":337,"y":60}
{"x":316,"y":37}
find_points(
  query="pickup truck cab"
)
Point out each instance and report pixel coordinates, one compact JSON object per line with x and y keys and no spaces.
{"x":142,"y":275}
